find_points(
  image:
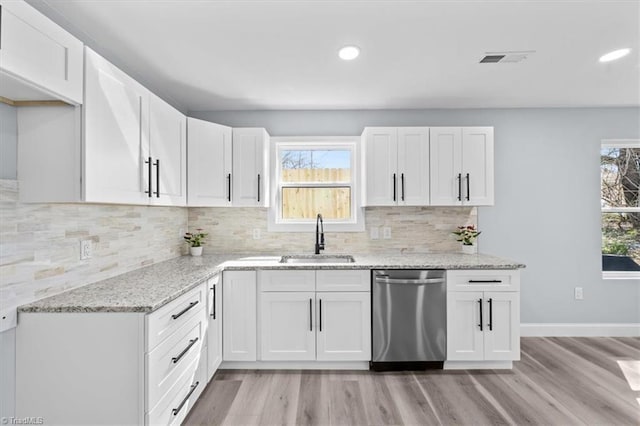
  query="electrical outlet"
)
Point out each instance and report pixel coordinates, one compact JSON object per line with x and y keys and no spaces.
{"x":386,"y":233}
{"x":578,"y":293}
{"x":86,"y":249}
{"x":256,"y":233}
{"x":375,"y":233}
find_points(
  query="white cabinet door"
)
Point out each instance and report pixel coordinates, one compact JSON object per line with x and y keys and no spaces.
{"x":37,"y":56}
{"x":168,"y":149}
{"x":502,"y":326}
{"x":214,"y":328}
{"x":344,"y":327}
{"x":250,"y":173}
{"x":116,"y":112}
{"x":445,"y":163}
{"x":464,"y":333}
{"x":413,"y":166}
{"x":477,"y":166}
{"x":381,"y":162}
{"x":239,"y":315}
{"x":209,"y":164}
{"x":287,"y":326}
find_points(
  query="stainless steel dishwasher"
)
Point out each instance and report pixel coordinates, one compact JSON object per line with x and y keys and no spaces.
{"x":409,"y":321}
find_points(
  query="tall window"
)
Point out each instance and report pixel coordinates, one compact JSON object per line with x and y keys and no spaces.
{"x":315,"y":176}
{"x":620,"y":200}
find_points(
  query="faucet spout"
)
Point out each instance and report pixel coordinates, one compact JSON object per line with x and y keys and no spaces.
{"x":319,"y":234}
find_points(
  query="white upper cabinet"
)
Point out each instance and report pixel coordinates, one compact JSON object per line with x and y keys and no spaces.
{"x":116,"y":137}
{"x":397,"y":166}
{"x":461,"y":160}
{"x":250,"y":183}
{"x":38,"y":59}
{"x":124,"y":145}
{"x":168,"y":151}
{"x":209,"y":164}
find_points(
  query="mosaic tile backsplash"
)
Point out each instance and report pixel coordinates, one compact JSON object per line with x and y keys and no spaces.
{"x":40,"y":243}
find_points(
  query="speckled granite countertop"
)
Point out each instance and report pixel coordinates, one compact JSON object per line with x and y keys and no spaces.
{"x":149,"y":288}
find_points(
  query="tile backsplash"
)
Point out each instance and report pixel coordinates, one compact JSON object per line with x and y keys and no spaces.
{"x":413,"y":230}
{"x":40,"y":243}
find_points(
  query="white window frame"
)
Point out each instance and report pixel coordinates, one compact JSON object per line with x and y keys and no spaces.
{"x":619,"y":275}
{"x":275,"y":222}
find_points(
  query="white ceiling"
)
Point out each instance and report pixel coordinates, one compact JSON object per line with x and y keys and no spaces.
{"x":227,"y":55}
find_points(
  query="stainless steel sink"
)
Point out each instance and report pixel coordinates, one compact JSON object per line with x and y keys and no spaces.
{"x":317,"y":258}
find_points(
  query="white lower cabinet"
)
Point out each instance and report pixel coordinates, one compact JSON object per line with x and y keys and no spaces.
{"x":287,"y":331}
{"x":309,"y":325}
{"x":113,"y":367}
{"x":344,"y":327}
{"x":214,"y":328}
{"x":239,"y":316}
{"x":483,"y":316}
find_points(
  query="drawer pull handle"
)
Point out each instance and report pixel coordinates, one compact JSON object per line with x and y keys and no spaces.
{"x":181,"y":354}
{"x":182,"y":312}
{"x":485,"y":281}
{"x":175,"y":411}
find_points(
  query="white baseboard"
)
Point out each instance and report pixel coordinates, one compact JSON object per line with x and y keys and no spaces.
{"x":478,"y":365}
{"x":295,"y":365}
{"x":580,"y":330}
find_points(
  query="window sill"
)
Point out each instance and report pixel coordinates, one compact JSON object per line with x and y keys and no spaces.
{"x":621,"y":275}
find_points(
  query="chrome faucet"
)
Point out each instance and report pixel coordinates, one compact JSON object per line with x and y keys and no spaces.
{"x":319,"y":234}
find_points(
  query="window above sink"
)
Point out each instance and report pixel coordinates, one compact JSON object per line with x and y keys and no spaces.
{"x":311,"y":175}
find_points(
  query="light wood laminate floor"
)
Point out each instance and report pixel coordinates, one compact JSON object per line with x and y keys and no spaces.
{"x":559,"y":381}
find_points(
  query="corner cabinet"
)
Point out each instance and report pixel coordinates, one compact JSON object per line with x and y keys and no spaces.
{"x":209,"y":164}
{"x":227,"y":167}
{"x":483,"y":317}
{"x":461,"y":166}
{"x":151,"y":368}
{"x":124,"y":146}
{"x":38,"y":59}
{"x":396,"y":166}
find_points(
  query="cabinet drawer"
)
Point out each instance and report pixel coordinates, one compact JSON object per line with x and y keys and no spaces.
{"x":343,"y":280}
{"x":171,"y":359}
{"x":481,"y":280}
{"x":175,"y":405}
{"x":290,"y":280}
{"x":173,"y":315}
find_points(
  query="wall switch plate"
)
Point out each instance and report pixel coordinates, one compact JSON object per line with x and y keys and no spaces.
{"x":256,"y":233}
{"x":86,"y":249}
{"x":386,"y":233}
{"x":578,"y":293}
{"x":374,"y":233}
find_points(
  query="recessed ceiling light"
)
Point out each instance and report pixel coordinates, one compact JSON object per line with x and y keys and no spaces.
{"x":616,"y":54}
{"x":349,"y":53}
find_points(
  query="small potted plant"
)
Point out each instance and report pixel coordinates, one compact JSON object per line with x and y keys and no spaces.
{"x":195,"y":240}
{"x":467,"y":236}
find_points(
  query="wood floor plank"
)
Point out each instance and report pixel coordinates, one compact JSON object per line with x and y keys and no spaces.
{"x":214,"y":403}
{"x":281,"y":404}
{"x":379,"y":406}
{"x":559,"y":381}
{"x":575,"y":388}
{"x":346,"y":405}
{"x":313,"y":404}
{"x":412,"y":404}
{"x":456,"y":399}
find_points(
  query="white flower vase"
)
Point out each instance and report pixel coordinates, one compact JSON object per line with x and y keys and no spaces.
{"x":195,"y":251}
{"x":472,"y":249}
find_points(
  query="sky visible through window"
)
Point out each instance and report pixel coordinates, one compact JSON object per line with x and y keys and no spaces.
{"x":316,"y":159}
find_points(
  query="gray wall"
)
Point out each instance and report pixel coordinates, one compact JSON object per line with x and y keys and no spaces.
{"x":8,"y":144}
{"x":547,"y":211}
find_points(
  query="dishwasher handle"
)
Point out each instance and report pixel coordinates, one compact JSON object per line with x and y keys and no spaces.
{"x":384,"y":279}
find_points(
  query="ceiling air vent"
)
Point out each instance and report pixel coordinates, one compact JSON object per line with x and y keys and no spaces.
{"x":506,"y":57}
